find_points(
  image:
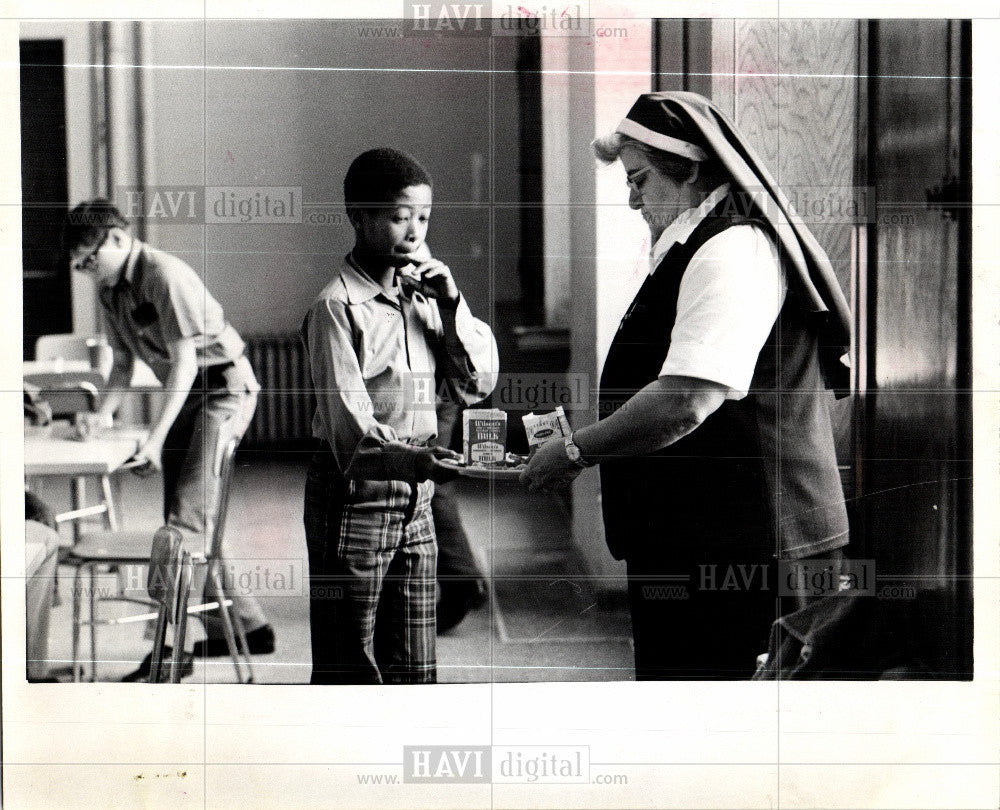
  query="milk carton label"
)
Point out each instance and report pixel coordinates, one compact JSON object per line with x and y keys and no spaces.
{"x":542,"y":427}
{"x":484,"y":433}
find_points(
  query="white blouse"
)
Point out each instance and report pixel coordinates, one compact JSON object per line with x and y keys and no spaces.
{"x":730,"y":297}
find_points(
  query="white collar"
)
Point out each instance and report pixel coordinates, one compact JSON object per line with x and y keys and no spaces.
{"x":359,"y":285}
{"x":678,"y":231}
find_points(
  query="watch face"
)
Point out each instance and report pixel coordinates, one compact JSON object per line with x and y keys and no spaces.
{"x":572,"y":450}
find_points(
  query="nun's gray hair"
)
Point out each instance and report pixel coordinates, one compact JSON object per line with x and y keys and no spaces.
{"x":608,"y":148}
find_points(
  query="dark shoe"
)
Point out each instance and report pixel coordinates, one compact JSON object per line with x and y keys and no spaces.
{"x":141,"y":675}
{"x":458,"y":597}
{"x":260,"y":642}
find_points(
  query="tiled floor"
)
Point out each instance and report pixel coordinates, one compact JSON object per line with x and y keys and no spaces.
{"x":542,"y":623}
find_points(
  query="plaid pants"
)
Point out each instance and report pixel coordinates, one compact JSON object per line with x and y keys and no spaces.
{"x":372,"y":587}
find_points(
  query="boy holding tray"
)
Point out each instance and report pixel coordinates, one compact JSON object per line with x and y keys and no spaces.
{"x":374,"y":336}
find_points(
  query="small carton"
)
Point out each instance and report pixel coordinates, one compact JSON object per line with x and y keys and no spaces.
{"x":545,"y":426}
{"x":484,"y":435}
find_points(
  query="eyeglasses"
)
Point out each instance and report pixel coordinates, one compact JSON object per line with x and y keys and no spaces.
{"x":636,"y":179}
{"x":88,"y":261}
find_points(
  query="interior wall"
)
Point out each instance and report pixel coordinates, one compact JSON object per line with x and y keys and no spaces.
{"x":558,"y":109}
{"x":608,"y":243}
{"x":322,"y":95}
{"x":291,"y":103}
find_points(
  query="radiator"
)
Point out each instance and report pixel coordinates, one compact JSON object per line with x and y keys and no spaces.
{"x":286,"y":404}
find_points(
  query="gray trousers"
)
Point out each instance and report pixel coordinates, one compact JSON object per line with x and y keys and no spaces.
{"x":208,"y":419}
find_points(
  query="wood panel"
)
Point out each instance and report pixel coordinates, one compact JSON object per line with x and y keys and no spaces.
{"x":757,"y":87}
{"x":796,"y":102}
{"x":723,"y":86}
{"x":817,"y":129}
{"x":916,"y":296}
{"x":917,"y":468}
{"x":917,"y":242}
{"x":883,"y":101}
{"x":818,"y":135}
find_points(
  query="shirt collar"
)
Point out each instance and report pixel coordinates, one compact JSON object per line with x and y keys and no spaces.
{"x":359,"y":286}
{"x":678,"y":231}
{"x":126,"y":278}
{"x":128,"y":269}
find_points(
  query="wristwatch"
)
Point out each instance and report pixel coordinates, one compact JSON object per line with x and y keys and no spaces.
{"x":574,"y":454}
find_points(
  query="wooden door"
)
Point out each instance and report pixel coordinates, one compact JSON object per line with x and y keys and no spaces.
{"x":916,"y":463}
{"x":877,"y":110}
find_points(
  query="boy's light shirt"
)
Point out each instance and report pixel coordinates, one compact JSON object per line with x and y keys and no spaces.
{"x":374,"y":358}
{"x":157,"y":299}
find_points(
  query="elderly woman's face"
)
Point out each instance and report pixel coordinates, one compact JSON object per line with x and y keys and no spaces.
{"x":656,"y":196}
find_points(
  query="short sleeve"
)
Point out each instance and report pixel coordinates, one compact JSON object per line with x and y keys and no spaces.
{"x":181,"y":301}
{"x":729,"y":300}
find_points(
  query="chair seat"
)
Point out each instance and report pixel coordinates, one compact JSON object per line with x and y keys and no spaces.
{"x":127,"y":546}
{"x":123,"y":549}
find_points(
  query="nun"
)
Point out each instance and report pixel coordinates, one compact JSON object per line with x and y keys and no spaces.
{"x":714,"y":440}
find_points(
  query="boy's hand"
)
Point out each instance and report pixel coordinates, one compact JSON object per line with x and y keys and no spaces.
{"x":436,"y":281}
{"x":151,"y":457}
{"x":428,"y":464}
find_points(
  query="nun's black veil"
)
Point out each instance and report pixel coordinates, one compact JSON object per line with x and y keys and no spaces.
{"x":810,"y":275}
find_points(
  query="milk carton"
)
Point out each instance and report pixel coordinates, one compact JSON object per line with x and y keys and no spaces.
{"x":484,"y":435}
{"x":545,"y":426}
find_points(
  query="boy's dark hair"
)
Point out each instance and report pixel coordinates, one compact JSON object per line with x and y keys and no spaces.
{"x":376,"y":177}
{"x":88,"y":224}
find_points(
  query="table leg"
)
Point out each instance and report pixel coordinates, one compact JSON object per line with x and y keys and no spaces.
{"x":93,"y":625}
{"x":78,"y":497}
{"x":111,"y":516}
{"x":77,"y":596}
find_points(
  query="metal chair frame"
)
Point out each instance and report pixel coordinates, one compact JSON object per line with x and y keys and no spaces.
{"x":232,"y":624}
{"x":169,"y":586}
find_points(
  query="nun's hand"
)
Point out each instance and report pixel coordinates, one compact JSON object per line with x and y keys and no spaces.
{"x":550,"y":468}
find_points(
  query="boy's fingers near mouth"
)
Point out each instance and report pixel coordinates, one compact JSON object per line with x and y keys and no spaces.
{"x":435,"y":272}
{"x":401,"y":260}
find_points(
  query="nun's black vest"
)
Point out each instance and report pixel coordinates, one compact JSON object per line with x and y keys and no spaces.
{"x":759,"y":476}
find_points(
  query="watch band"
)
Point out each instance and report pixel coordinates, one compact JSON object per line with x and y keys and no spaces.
{"x":574,"y":454}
